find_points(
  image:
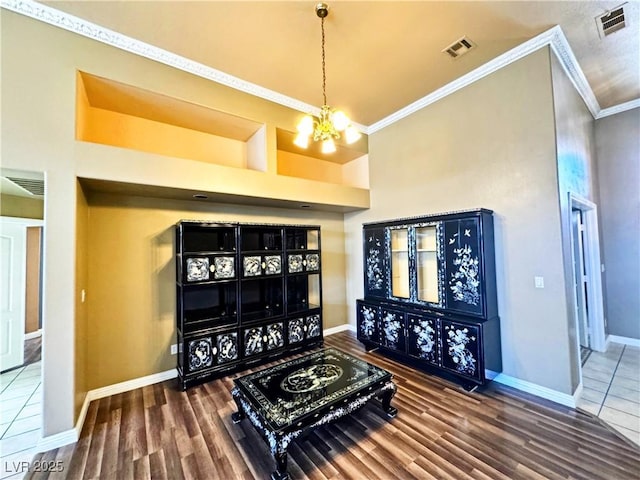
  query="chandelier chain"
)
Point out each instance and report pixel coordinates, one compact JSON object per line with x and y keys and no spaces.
{"x":324,"y":75}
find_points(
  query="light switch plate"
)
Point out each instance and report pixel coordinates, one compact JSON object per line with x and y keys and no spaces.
{"x":539,"y":282}
{"x":174,"y":349}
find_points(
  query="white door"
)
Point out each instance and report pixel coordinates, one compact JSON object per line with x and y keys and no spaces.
{"x":13,"y":257}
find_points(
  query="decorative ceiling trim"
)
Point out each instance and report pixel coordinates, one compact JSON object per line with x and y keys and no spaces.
{"x":623,"y":107}
{"x":553,"y":37}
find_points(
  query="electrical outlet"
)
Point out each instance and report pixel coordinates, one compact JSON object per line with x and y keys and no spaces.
{"x":539,"y":282}
{"x":174,"y":349}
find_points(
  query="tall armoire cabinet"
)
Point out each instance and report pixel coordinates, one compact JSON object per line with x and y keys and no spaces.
{"x":245,"y":294}
{"x":430,"y":294}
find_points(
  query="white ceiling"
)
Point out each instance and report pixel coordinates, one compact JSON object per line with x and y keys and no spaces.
{"x":380,"y":55}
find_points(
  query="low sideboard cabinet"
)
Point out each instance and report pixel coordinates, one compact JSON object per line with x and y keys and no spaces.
{"x":430,"y":294}
{"x":246,"y":294}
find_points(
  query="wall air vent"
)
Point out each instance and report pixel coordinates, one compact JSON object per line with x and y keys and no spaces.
{"x":31,"y":185}
{"x":611,"y":21}
{"x":459,"y":47}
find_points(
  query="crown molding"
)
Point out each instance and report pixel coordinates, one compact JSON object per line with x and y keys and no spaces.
{"x":623,"y":107}
{"x":554,"y":37}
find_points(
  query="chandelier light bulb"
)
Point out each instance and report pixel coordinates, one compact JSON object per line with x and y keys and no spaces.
{"x":340,"y":120}
{"x":352,"y":135}
{"x":302,"y":140}
{"x":305,"y":126}
{"x":328,"y":146}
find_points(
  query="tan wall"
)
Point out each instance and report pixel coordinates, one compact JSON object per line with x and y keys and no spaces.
{"x":618,"y":148}
{"x":131,"y":278}
{"x":32,"y":294}
{"x":22,"y":207}
{"x":81,"y":343}
{"x":489,"y":145}
{"x":577,"y":173}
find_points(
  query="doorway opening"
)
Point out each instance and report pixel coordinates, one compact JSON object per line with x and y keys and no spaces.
{"x":21,"y":322}
{"x":587,"y":277}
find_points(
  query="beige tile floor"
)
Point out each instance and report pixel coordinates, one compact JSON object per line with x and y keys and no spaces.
{"x":20,"y":419}
{"x":611,"y":388}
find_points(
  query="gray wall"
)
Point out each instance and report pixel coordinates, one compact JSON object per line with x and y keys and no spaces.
{"x":577,"y":174}
{"x":490,"y":145}
{"x":618,"y":150}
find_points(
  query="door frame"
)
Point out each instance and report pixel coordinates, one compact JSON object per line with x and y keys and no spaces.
{"x":23,"y":222}
{"x":593,"y":269}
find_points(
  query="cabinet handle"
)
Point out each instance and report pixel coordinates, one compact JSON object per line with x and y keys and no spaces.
{"x":264,"y":265}
{"x":264,"y":339}
{"x":215,"y":350}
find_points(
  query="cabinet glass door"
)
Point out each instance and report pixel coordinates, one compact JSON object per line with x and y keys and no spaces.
{"x":427,"y":264}
{"x":400,"y":263}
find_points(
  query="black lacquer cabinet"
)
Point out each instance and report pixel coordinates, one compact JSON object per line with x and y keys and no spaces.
{"x":245,"y":295}
{"x":430,"y":294}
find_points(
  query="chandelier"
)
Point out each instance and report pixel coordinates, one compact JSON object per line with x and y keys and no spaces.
{"x":328,"y":125}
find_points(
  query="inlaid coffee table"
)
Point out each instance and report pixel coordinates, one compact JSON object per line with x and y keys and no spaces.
{"x":291,"y":398}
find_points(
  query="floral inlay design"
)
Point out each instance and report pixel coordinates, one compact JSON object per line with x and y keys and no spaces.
{"x":252,"y":266}
{"x":296,"y":330}
{"x":225,"y":267}
{"x":275,"y":337}
{"x":313,"y":326}
{"x":464,"y":282}
{"x":311,"y":378}
{"x":313,"y":262}
{"x":197,"y":269}
{"x":368,"y":323}
{"x":295,"y":263}
{"x":227,"y":347}
{"x":200,"y":354}
{"x":273,"y":264}
{"x":457,"y":340}
{"x":391,"y":327}
{"x":375,"y":278}
{"x":253,"y":341}
{"x":425,"y":340}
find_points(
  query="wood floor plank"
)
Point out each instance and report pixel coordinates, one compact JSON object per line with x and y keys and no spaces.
{"x":440,"y":432}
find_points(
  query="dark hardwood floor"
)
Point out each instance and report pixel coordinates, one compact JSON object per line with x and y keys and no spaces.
{"x":440,"y":432}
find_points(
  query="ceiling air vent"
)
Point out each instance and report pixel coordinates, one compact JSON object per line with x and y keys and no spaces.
{"x":459,"y":47}
{"x":31,"y":185}
{"x":611,"y":21}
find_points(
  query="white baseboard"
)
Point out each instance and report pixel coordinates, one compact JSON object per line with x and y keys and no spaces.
{"x":339,"y":328}
{"x":56,"y":441}
{"x":32,"y":335}
{"x":577,"y":394}
{"x":534,"y":389}
{"x":634,"y":342}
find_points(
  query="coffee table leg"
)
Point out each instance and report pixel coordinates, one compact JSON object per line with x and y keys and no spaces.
{"x":281,"y":467}
{"x":386,"y":397}
{"x":239,"y":415}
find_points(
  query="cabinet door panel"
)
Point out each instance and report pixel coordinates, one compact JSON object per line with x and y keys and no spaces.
{"x":275,"y":335}
{"x":392,"y":329}
{"x":253,"y":341}
{"x":199,"y":353}
{"x":375,"y":270}
{"x":463,"y":282}
{"x":313,"y":326}
{"x":461,"y":348}
{"x":368,"y":323}
{"x":227,"y":347}
{"x":295,"y":331}
{"x":423,"y":338}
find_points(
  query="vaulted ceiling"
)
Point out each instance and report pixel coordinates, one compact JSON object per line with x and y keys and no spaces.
{"x":380,"y":55}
